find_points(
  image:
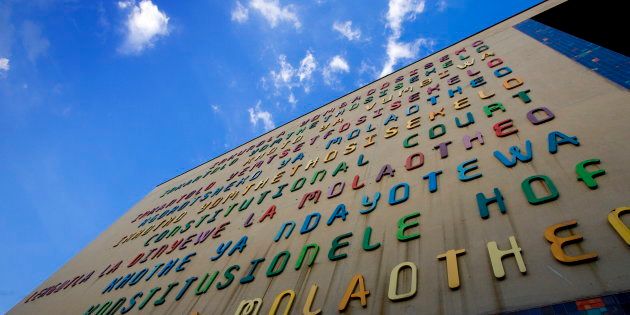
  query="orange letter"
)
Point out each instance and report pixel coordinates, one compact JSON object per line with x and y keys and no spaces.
{"x":558,"y":242}
{"x":351,"y":294}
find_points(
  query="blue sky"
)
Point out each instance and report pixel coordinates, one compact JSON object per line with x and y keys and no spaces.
{"x":102,"y":100}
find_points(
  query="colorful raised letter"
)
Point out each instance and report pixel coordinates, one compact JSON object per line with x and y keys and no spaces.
{"x":496,"y":255}
{"x":588,"y":178}
{"x":452,"y":269}
{"x":558,"y":242}
{"x":526,"y":185}
{"x":357,"y":282}
{"x":392,"y":292}
{"x":614,"y":218}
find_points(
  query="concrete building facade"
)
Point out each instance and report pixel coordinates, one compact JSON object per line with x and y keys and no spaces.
{"x":489,"y":177}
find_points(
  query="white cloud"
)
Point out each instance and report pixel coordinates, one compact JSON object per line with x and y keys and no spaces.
{"x":274,"y":13}
{"x":401,"y":10}
{"x":240,"y":13}
{"x":124,"y":4}
{"x":336,"y":65}
{"x":345,"y":28}
{"x":339,"y":64}
{"x":397,"y":51}
{"x":145,"y":24}
{"x":292,"y":99}
{"x":290,"y":77}
{"x":284,"y":76}
{"x":34,"y":41}
{"x":367,"y":67}
{"x":256,"y":114}
{"x":307,"y":66}
{"x":215,"y":108}
{"x":4,"y":64}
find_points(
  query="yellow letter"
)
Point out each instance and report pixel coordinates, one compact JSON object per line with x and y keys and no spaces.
{"x":278,"y":300}
{"x":496,"y":255}
{"x":309,"y":302}
{"x":393,"y":282}
{"x":452,"y":271}
{"x":617,"y":224}
{"x":249,"y":307}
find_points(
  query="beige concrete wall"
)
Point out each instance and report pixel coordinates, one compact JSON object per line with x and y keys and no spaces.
{"x":585,"y":104}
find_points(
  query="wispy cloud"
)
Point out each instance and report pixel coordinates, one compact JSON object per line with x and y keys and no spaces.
{"x":441,"y":5}
{"x":345,"y":29}
{"x":290,"y":77}
{"x":305,"y":72}
{"x":367,"y":67}
{"x":398,"y":12}
{"x":397,"y":51}
{"x":215,"y":108}
{"x":6,"y":29}
{"x":292,"y":99}
{"x":144,"y":25}
{"x":256,"y":114}
{"x":33,"y":40}
{"x":274,"y":13}
{"x":336,"y":65}
{"x":4,"y":65}
{"x":125,"y":4}
{"x":283,"y":76}
{"x":240,"y":13}
{"x":401,"y":10}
